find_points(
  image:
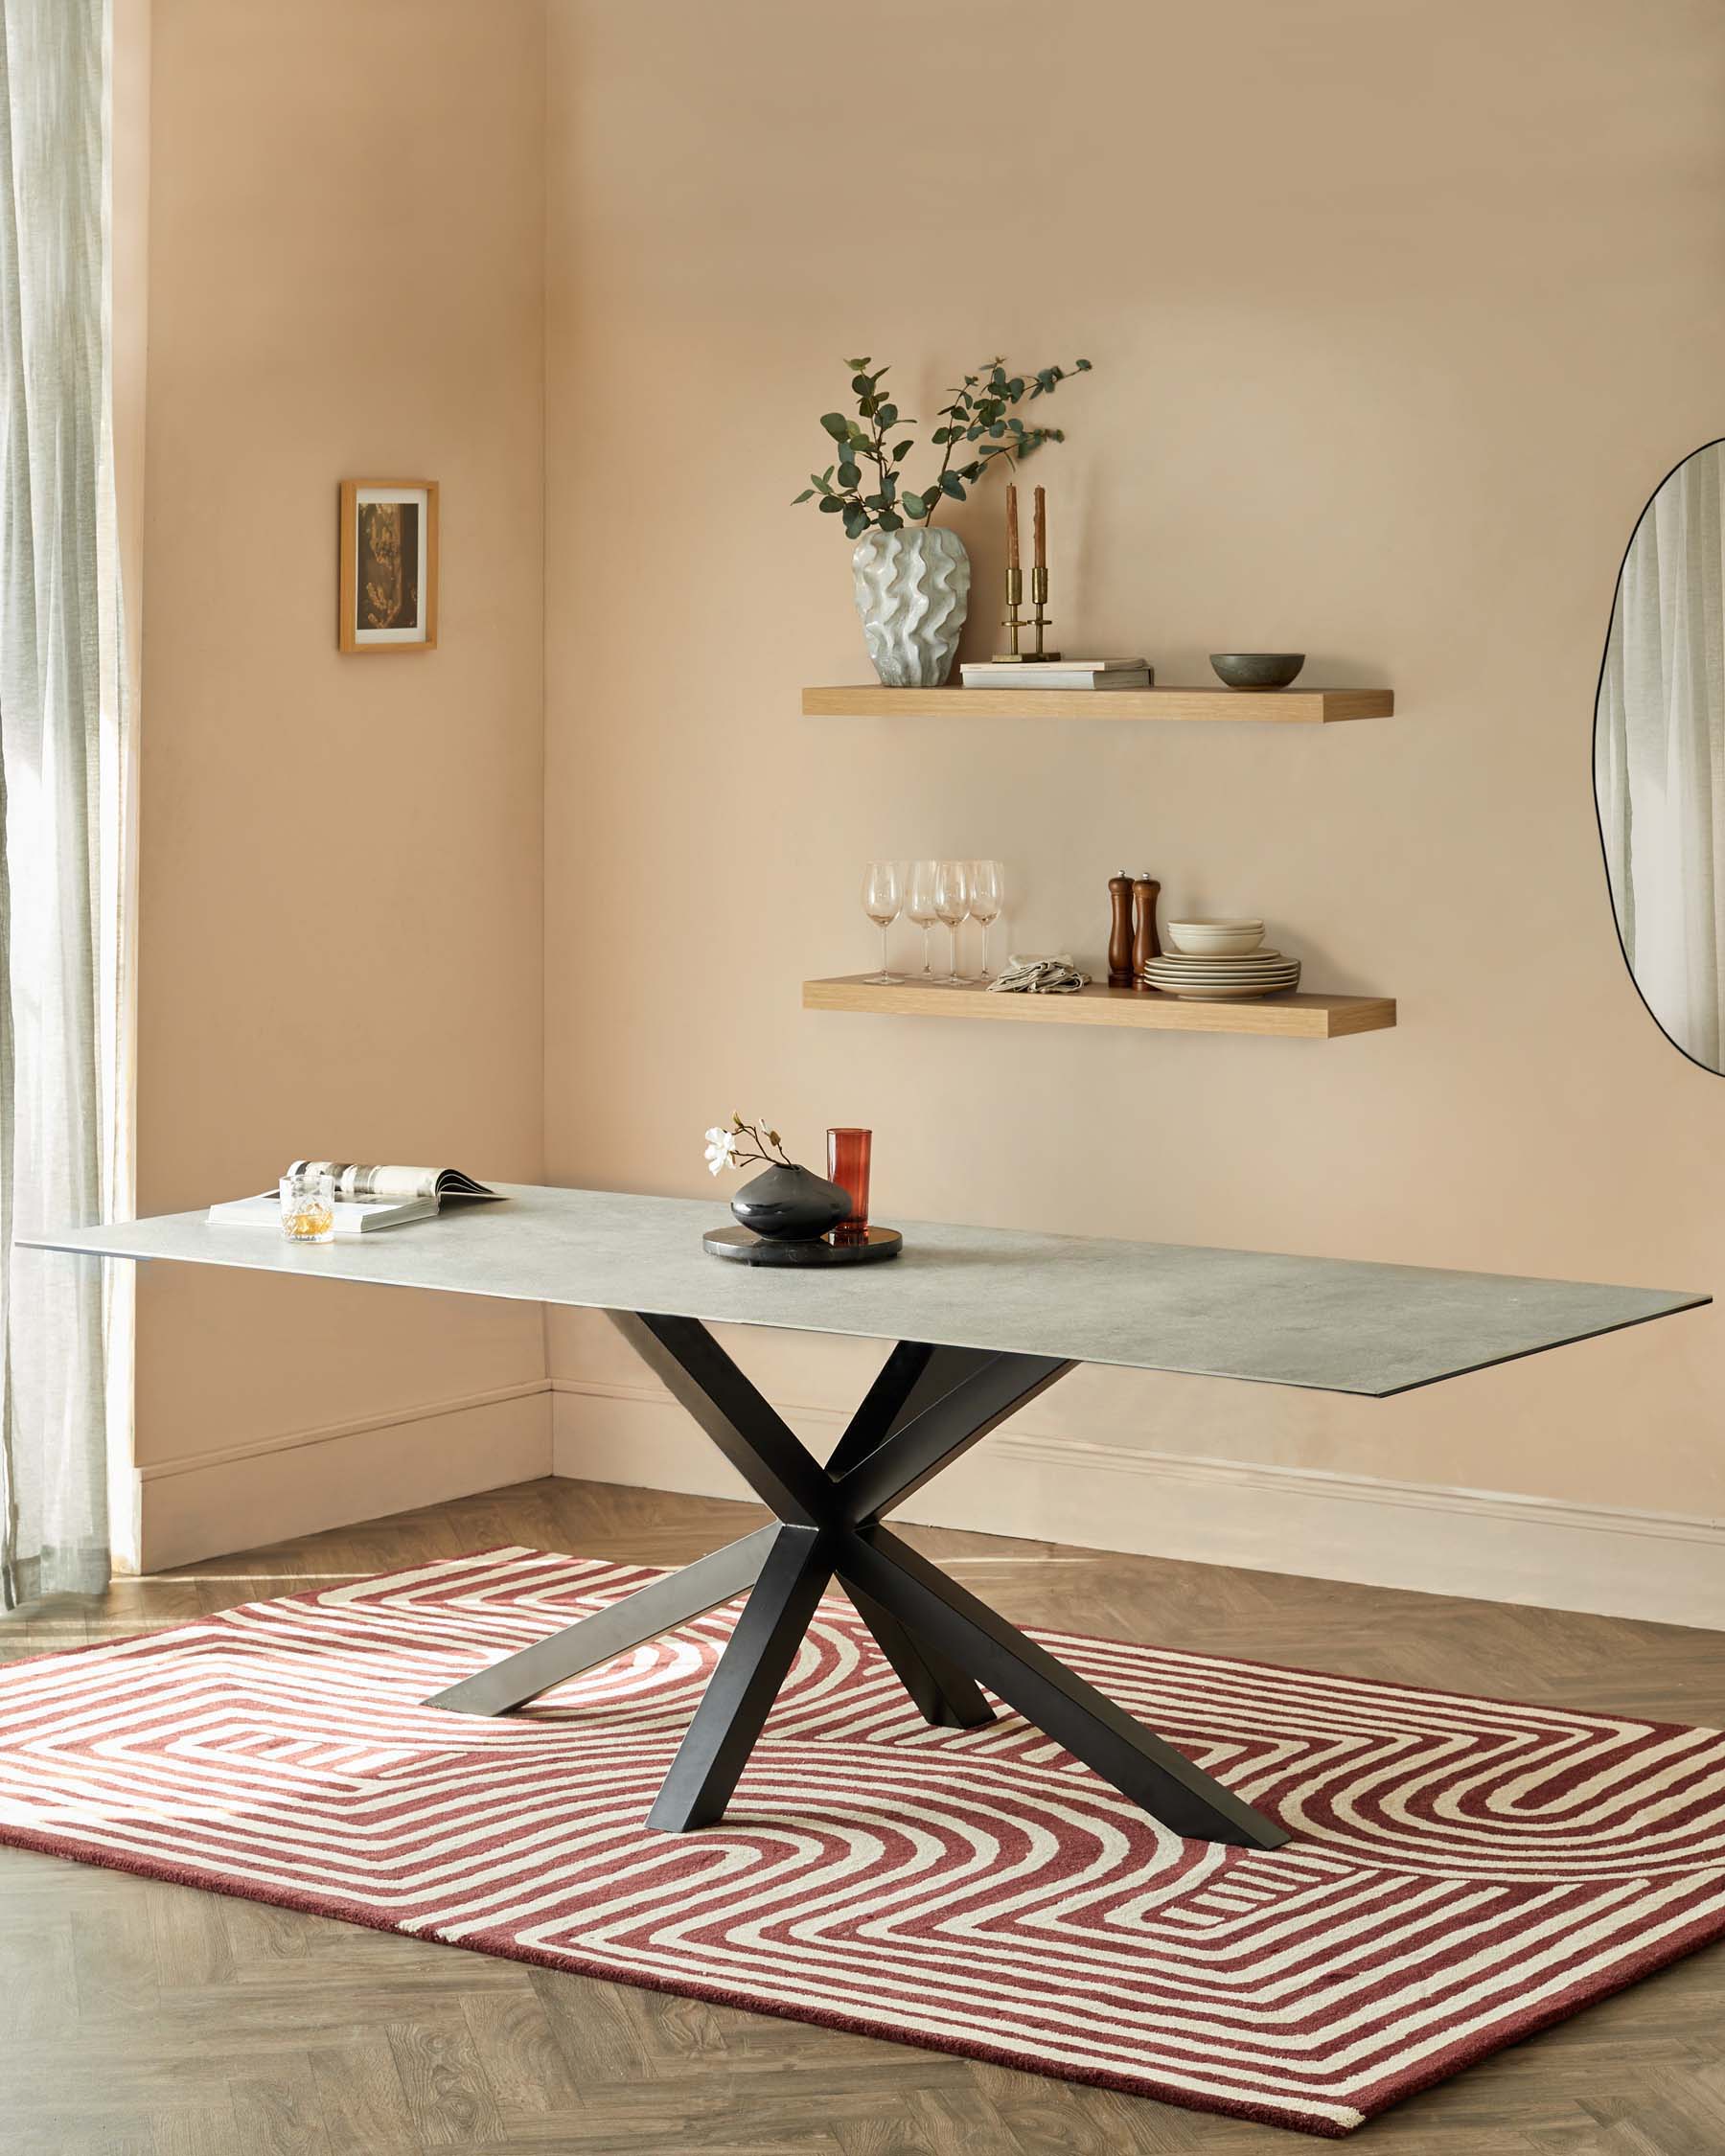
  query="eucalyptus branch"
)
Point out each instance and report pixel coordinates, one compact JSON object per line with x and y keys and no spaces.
{"x":982,"y":411}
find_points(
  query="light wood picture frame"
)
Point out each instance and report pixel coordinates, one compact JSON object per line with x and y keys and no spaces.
{"x":388,"y":581}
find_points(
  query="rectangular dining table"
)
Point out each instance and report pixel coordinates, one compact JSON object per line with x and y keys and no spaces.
{"x":982,"y":1320}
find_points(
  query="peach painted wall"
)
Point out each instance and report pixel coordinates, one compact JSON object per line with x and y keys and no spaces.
{"x":1398,"y":315}
{"x":340,"y":909}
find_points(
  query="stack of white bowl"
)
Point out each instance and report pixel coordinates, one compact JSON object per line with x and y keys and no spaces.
{"x":1220,"y":960}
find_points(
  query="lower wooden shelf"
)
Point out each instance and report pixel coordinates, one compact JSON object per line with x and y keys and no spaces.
{"x":1297,"y":1017}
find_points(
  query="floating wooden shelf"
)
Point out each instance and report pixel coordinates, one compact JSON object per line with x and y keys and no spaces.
{"x":1299,"y":707}
{"x":1296,"y":1017}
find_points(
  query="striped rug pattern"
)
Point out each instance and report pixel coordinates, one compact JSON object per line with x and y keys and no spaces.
{"x":1464,"y":1872}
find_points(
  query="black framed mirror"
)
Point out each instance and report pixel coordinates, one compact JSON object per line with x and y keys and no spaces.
{"x":1659,"y":756}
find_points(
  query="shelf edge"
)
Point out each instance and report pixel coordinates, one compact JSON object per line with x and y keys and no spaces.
{"x":1299,"y":707}
{"x":1309,"y":1016}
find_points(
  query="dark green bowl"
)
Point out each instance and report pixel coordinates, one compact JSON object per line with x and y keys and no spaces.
{"x":1258,"y":669}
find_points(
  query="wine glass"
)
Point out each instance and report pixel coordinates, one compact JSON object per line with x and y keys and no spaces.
{"x":919,"y":907}
{"x":987,"y":895}
{"x":952,"y":904}
{"x":883,"y":898}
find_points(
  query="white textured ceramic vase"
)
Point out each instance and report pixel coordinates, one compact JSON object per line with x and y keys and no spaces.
{"x":912,"y":590}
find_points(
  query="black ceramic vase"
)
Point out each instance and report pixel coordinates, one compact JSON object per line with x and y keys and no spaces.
{"x":791,"y":1204}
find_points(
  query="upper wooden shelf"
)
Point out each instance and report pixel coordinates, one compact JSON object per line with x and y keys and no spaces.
{"x":1296,"y":1017}
{"x":1299,"y":707}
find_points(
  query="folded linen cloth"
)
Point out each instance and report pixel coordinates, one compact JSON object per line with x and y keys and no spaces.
{"x":1029,"y":974}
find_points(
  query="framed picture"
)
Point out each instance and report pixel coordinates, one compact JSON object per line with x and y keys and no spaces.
{"x":388,"y":564}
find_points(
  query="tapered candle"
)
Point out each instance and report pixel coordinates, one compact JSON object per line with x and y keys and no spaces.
{"x":1039,"y":527}
{"x":1012,"y":543}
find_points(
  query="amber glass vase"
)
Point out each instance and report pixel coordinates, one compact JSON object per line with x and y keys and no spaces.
{"x":847,"y":1165}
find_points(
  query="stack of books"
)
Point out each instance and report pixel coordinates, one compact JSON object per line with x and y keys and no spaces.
{"x":1058,"y":674}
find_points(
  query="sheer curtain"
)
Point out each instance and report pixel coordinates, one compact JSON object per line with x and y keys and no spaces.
{"x":65,"y":1112}
{"x":1659,"y":756}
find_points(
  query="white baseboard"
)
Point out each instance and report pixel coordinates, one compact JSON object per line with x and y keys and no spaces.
{"x":1485,"y":1544}
{"x":204,"y":1504}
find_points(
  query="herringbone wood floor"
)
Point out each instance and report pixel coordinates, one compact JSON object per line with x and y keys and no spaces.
{"x":138,"y":2019}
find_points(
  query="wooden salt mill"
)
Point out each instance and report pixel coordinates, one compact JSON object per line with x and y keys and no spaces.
{"x":1145,"y":943}
{"x":1119,"y":935}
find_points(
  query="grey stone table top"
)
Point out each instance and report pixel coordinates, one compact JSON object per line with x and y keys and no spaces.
{"x":1335,"y":1324}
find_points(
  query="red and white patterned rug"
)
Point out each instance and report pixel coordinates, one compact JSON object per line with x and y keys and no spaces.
{"x":1463,"y":1873}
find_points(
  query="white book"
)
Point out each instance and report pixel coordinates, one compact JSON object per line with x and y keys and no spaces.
{"x":1059,"y":673}
{"x":353,"y":1216}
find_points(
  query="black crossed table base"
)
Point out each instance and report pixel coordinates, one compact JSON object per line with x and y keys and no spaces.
{"x":927,"y":1406}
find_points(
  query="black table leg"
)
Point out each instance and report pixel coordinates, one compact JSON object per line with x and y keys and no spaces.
{"x":946,"y":1698}
{"x":927,"y":1406}
{"x":1119,"y":1748}
{"x":912,"y":1376}
{"x":650,"y":1611}
{"x":741,"y":1691}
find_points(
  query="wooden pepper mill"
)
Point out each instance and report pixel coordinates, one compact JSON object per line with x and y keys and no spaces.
{"x":1119,"y":935}
{"x":1145,"y":943}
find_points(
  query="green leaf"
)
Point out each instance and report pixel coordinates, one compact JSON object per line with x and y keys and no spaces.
{"x":1014,"y":388}
{"x":856,"y":523}
{"x":889,"y":523}
{"x":1081,"y":366}
{"x":914,"y":505}
{"x":952,"y":484}
{"x":861,"y":384}
{"x":903,"y":450}
{"x":856,"y":366}
{"x":807,"y":495}
{"x":887,"y":415}
{"x":848,"y":476}
{"x":836,"y":424}
{"x":831,"y":504}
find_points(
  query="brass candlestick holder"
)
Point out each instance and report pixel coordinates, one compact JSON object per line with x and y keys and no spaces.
{"x":1039,"y":599}
{"x":1012,"y":621}
{"x":1015,"y":624}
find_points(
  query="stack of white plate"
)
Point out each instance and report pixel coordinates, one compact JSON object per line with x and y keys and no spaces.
{"x":1257,"y":973}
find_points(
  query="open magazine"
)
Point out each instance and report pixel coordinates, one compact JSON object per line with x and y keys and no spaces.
{"x":355,"y":1182}
{"x":367,"y":1198}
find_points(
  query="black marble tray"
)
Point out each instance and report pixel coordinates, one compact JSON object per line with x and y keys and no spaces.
{"x":744,"y":1247}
